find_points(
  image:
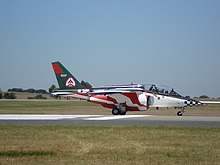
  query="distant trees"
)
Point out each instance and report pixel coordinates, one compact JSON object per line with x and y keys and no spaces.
{"x":30,"y":90}
{"x":16,"y":90}
{"x":204,"y":97}
{"x":11,"y":95}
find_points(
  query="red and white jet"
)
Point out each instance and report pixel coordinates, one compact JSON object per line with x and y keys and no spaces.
{"x":120,"y":98}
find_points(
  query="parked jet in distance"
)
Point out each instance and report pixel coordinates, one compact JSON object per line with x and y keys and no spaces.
{"x":120,"y":98}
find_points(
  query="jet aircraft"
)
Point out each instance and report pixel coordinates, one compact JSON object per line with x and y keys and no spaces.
{"x":120,"y":98}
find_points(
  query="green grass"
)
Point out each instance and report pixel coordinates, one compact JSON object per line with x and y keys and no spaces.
{"x":49,"y":107}
{"x":108,"y":145}
{"x":35,"y":105}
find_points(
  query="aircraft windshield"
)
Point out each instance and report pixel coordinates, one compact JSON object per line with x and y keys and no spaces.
{"x":161,"y":89}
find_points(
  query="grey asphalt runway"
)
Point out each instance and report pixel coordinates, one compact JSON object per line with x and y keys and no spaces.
{"x":109,"y":120}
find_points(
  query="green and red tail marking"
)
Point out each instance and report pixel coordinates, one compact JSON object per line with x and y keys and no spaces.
{"x":64,"y":78}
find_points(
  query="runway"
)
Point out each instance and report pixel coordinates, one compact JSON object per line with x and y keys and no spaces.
{"x":109,"y":120}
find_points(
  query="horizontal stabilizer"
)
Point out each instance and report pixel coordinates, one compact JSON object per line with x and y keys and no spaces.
{"x":86,"y":85}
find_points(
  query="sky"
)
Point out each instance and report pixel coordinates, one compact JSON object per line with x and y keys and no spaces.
{"x":105,"y":42}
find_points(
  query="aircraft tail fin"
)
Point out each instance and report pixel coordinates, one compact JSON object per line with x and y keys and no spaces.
{"x":64,"y":78}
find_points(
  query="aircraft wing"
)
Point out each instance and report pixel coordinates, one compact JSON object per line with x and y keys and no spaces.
{"x":116,"y":90}
{"x":60,"y":93}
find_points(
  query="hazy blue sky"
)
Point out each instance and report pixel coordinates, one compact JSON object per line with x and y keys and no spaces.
{"x":170,"y":42}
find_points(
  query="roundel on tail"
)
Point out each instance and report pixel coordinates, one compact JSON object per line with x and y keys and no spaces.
{"x":70,"y":82}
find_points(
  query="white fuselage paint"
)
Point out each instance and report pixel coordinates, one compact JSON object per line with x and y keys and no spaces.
{"x":166,"y":101}
{"x":142,"y":98}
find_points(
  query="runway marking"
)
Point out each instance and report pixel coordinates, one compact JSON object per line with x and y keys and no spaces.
{"x":60,"y":117}
{"x":43,"y":117}
{"x":116,"y":117}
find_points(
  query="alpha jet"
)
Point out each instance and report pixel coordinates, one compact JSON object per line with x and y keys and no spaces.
{"x":119,"y":98}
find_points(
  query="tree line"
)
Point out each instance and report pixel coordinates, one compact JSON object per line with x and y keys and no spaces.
{"x":30,"y":90}
{"x":10,"y":95}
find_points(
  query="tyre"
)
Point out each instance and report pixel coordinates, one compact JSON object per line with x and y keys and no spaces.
{"x":179,"y":113}
{"x":115,"y":111}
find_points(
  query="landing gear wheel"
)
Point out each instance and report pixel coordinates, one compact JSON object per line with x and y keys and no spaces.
{"x":179,"y":113}
{"x":115,"y":111}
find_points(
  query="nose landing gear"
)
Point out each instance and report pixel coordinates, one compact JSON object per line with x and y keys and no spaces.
{"x":180,"y":112}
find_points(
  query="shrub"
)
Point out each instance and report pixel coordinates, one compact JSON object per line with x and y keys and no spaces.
{"x":9,"y":96}
{"x":38,"y":97}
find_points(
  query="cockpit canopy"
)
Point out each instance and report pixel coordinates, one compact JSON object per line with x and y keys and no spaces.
{"x":161,"y":89}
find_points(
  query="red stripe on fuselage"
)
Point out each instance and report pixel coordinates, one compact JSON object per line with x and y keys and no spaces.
{"x":105,"y":105}
{"x":133,"y":97}
{"x":105,"y":97}
{"x":57,"y":69}
{"x":128,"y":108}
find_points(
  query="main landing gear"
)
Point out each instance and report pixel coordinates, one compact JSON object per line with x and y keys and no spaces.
{"x":180,"y":112}
{"x":117,"y":111}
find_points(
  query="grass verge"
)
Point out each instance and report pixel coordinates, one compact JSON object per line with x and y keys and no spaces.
{"x":50,"y":107}
{"x":108,"y":145}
